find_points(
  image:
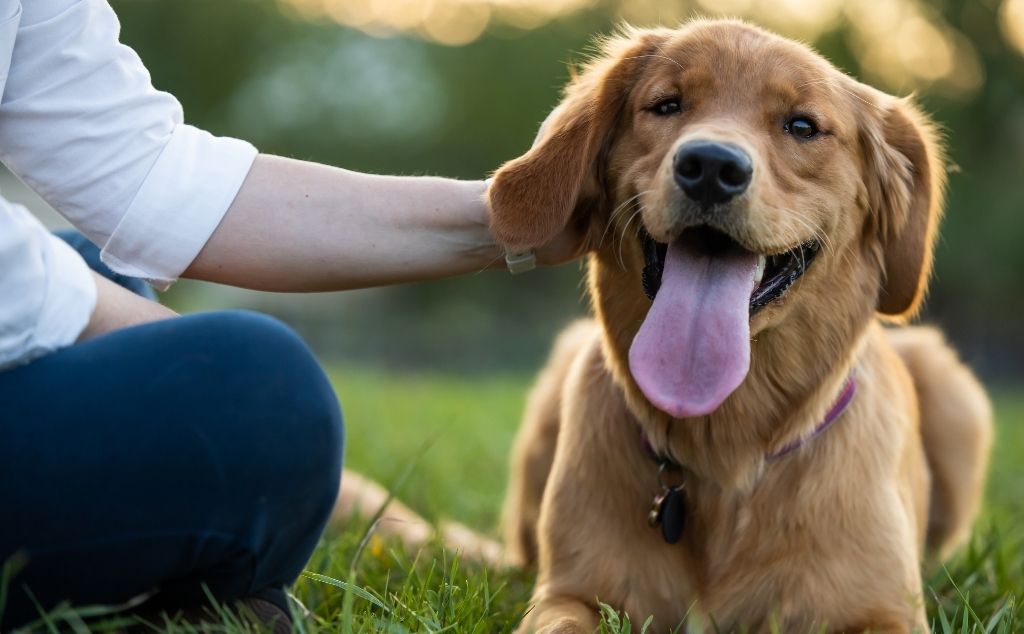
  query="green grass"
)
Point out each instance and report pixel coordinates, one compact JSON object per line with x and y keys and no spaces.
{"x":460,"y":431}
{"x":456,"y":434}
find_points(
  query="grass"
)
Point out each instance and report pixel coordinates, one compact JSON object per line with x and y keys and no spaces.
{"x":456,"y":431}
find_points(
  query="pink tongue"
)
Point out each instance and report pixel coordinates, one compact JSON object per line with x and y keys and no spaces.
{"x":693,"y":348}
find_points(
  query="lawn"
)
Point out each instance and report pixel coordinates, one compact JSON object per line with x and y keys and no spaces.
{"x":457,"y":432}
{"x":451,"y":437}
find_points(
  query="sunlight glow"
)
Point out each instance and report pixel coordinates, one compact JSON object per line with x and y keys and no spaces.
{"x":1011,"y":21}
{"x":804,"y":19}
{"x":727,"y":7}
{"x":905,"y":45}
{"x":901,"y":45}
{"x":451,"y":22}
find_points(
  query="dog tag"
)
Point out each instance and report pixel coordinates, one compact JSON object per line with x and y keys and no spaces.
{"x":672,"y":514}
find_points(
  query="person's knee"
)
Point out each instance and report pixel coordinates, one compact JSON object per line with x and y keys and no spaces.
{"x":270,"y":366}
{"x":303,"y":467}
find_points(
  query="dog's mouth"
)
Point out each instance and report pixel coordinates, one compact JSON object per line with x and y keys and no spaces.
{"x":774,"y":275}
{"x":693,"y":348}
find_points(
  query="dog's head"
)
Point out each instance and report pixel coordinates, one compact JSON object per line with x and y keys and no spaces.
{"x":742,"y":181}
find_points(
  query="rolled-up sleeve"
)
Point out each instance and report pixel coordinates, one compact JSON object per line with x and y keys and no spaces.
{"x":48,"y":292}
{"x":81,"y":124}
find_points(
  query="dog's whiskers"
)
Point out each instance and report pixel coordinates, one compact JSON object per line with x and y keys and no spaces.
{"x":622,"y":237}
{"x":622,"y":208}
{"x":666,"y":57}
{"x":818,"y":234}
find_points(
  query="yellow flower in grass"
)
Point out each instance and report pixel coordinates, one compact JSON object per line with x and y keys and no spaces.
{"x":376,"y":546}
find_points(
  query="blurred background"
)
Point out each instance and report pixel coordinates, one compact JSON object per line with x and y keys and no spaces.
{"x":456,"y":87}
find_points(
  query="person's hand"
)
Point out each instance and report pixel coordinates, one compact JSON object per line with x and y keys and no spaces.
{"x":567,"y":245}
{"x":117,"y":307}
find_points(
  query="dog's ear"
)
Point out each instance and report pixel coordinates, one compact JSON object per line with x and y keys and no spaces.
{"x":905,"y":178}
{"x":533,"y":197}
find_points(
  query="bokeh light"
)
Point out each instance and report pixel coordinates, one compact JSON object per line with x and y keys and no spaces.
{"x":906,"y":45}
{"x":901,"y":45}
{"x":1011,"y":21}
{"x":451,"y":22}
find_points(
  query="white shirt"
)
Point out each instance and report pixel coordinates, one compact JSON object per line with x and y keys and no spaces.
{"x":82,"y":125}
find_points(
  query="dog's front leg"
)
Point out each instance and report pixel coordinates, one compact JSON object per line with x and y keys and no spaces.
{"x":559,"y":615}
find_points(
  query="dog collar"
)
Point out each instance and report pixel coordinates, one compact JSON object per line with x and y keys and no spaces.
{"x":838,"y":407}
{"x":668,"y":509}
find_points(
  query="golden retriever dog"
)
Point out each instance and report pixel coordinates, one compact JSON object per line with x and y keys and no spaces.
{"x":735,"y":441}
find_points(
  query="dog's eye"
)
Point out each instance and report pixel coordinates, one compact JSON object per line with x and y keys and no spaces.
{"x":801,"y":127}
{"x":667,"y":107}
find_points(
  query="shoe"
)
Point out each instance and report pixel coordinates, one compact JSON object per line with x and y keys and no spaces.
{"x":266,"y":614}
{"x":263,"y":612}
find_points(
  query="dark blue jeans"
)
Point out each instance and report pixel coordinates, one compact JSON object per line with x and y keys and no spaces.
{"x":199,"y":451}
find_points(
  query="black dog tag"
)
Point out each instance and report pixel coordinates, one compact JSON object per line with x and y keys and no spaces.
{"x":673,"y":515}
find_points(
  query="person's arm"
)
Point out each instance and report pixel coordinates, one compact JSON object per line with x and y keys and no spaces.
{"x":50,"y":297}
{"x":298,"y":226}
{"x":81,"y":123}
{"x":117,"y":307}
{"x":46,"y":291}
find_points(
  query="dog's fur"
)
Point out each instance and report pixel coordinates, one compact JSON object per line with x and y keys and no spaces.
{"x":833,"y":534}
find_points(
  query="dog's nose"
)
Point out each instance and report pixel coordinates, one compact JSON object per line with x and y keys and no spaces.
{"x":712,"y":173}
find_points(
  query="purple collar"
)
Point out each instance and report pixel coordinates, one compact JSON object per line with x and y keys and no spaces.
{"x":669,"y":508}
{"x":838,"y":407}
